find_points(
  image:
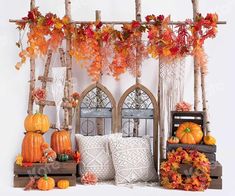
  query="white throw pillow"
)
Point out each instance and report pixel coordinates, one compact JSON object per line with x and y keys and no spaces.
{"x":96,"y":156}
{"x":132,"y":159}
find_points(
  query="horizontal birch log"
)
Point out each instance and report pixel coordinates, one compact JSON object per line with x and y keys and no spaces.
{"x":119,"y":22}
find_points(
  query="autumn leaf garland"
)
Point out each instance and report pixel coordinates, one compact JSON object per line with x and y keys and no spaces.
{"x":102,"y":49}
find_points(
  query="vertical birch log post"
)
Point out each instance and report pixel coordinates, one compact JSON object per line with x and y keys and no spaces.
{"x":45,"y":76}
{"x":68,"y":111}
{"x":196,"y":67}
{"x":99,"y":121}
{"x":138,"y":62}
{"x":205,"y":102}
{"x":32,"y":73}
{"x":160,"y":120}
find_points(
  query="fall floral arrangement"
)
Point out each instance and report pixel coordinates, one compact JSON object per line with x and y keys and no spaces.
{"x":104,"y":49}
{"x":172,"y":179}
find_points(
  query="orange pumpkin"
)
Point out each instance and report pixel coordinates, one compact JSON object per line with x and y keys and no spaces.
{"x":37,"y":122}
{"x":173,"y":140}
{"x":63,"y":184}
{"x":209,"y":139}
{"x":61,"y":142}
{"x":189,"y":133}
{"x":31,"y":147}
{"x":45,"y":183}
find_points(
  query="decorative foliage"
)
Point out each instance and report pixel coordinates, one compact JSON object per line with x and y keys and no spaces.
{"x":32,"y":184}
{"x":77,"y":157}
{"x":75,"y":99}
{"x":189,"y":133}
{"x":183,"y":107}
{"x":89,"y":178}
{"x":45,"y":32}
{"x":104,"y":49}
{"x":39,"y":94}
{"x":172,"y":179}
{"x":49,"y":155}
{"x":19,"y":160}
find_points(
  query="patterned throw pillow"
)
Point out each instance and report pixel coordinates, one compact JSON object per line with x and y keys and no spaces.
{"x":95,"y":156}
{"x":132,"y":159}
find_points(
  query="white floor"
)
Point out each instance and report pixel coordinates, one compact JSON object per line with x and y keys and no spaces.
{"x":136,"y":190}
{"x":112,"y":190}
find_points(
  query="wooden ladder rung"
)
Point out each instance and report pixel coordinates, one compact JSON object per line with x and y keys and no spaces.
{"x":53,"y":126}
{"x":52,"y":103}
{"x":45,"y":79}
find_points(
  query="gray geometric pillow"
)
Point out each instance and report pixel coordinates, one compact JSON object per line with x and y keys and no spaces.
{"x":95,"y":156}
{"x":132,"y":159}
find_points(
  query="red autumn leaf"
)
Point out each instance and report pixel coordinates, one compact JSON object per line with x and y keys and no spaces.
{"x":160,"y":18}
{"x":105,"y":37}
{"x":31,"y":15}
{"x":99,"y":25}
{"x":150,"y":18}
{"x":135,"y":24}
{"x":89,"y":32}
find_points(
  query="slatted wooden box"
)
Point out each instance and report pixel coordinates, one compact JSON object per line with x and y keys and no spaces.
{"x":178,"y":118}
{"x":57,"y":170}
{"x":216,"y":174}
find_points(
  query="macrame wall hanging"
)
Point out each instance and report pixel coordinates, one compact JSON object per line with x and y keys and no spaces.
{"x":171,"y":84}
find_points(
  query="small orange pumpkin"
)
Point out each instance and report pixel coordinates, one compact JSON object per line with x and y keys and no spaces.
{"x":173,"y":140}
{"x":209,"y":139}
{"x":31,"y":147}
{"x":61,"y":142}
{"x":45,"y":183}
{"x":63,"y":184}
{"x":37,"y":122}
{"x":189,"y":133}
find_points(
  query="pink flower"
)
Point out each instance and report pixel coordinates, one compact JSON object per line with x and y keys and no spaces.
{"x":39,"y":94}
{"x":183,"y":107}
{"x":89,"y":178}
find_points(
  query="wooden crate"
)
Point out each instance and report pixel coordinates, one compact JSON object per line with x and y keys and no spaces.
{"x":209,"y":151}
{"x":57,"y":170}
{"x":216,"y":174}
{"x":178,"y":118}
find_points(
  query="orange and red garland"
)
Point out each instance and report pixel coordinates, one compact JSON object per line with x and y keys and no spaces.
{"x":104,"y":49}
{"x":172,"y":179}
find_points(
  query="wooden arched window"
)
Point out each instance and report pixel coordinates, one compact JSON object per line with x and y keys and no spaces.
{"x":137,"y":115}
{"x":96,"y":111}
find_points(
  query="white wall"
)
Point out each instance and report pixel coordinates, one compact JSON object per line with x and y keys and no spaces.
{"x":14,"y":86}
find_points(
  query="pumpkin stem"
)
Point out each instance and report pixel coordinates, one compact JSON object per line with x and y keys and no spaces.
{"x":45,"y":177}
{"x":187,"y":130}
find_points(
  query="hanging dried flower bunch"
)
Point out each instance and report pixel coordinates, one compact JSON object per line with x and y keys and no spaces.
{"x":102,"y":49}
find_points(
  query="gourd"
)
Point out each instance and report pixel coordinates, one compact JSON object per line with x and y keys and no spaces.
{"x":63,"y":157}
{"x":63,"y":184}
{"x":61,"y":141}
{"x":209,"y":140}
{"x":45,"y":183}
{"x":37,"y":123}
{"x":189,"y":133}
{"x":173,"y":140}
{"x":31,"y":147}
